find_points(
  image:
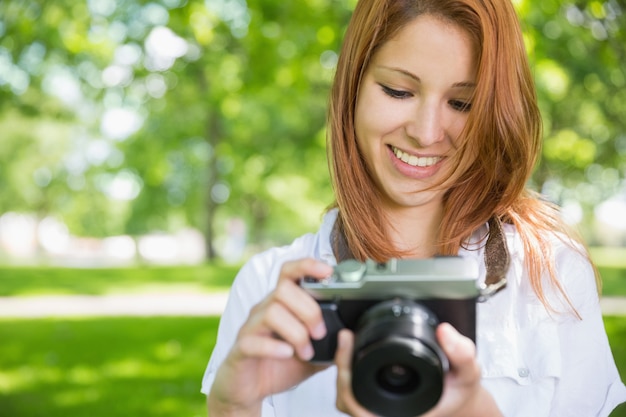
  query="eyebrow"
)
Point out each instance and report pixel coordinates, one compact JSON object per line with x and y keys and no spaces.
{"x":462,"y":84}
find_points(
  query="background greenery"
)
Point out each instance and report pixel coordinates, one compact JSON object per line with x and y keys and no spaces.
{"x":216,"y":276}
{"x":135,"y":116}
{"x":138,"y":367}
{"x":104,"y":366}
{"x":25,"y":281}
{"x":128,"y":117}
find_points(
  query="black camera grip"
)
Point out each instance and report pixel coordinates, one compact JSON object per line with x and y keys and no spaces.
{"x":325,"y":348}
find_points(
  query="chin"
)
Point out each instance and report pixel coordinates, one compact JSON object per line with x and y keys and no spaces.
{"x":415,"y":199}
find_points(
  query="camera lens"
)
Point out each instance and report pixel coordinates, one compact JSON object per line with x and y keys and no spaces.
{"x":397,"y":366}
{"x":397,"y":378}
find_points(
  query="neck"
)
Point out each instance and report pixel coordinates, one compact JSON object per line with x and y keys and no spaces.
{"x":415,"y":230}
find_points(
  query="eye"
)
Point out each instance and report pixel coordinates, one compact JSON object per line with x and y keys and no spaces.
{"x":460,"y":105}
{"x":395,"y":93}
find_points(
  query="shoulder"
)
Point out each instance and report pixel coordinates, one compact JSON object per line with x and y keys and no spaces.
{"x":573,"y":279}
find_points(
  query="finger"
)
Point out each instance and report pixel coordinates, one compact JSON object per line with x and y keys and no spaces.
{"x":345,"y":343}
{"x":343,"y":359}
{"x":295,"y":270}
{"x":264,"y":347}
{"x":302,"y":306}
{"x":289,"y":313}
{"x":343,"y":355}
{"x":461,"y":353}
{"x":279,"y":319}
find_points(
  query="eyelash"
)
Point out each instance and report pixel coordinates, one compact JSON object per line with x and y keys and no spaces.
{"x":461,"y":106}
{"x":395,"y":93}
{"x":457,"y":105}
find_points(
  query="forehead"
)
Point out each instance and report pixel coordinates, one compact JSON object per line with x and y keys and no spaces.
{"x":433,"y":45}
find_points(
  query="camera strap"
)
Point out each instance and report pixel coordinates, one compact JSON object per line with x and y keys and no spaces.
{"x":497,"y":260}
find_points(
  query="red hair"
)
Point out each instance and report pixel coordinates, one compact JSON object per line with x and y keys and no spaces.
{"x":498,"y":148}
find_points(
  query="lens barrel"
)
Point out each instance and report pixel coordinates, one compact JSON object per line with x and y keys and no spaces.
{"x":397,"y":366}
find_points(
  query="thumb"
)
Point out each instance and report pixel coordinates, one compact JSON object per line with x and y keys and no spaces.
{"x":343,"y":356}
{"x":461,"y":353}
{"x":346,"y":402}
{"x":343,"y":359}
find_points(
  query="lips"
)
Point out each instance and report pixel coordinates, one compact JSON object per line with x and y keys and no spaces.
{"x":413,"y":160}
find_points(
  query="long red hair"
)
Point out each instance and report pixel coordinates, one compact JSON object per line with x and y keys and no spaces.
{"x":497,"y":151}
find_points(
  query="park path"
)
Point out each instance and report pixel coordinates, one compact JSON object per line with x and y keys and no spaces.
{"x":170,"y":304}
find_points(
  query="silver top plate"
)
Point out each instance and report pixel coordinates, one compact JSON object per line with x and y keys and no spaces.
{"x":441,"y":277}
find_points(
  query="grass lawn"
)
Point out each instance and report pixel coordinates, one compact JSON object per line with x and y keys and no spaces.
{"x":131,"y":367}
{"x":143,"y":367}
{"x":20,"y":281}
{"x":616,"y":329}
{"x":613,"y":280}
{"x":611,"y":263}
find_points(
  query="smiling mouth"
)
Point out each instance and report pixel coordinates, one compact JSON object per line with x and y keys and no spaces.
{"x":416,"y":161}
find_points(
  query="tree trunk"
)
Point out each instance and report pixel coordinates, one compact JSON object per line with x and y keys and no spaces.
{"x":212,"y":134}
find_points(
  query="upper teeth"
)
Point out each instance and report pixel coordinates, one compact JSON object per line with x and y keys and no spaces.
{"x":415,"y":161}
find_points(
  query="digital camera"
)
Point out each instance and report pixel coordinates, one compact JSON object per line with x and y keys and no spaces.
{"x":393,"y":308}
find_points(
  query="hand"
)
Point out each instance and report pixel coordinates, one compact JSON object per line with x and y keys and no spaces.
{"x":462,"y":394}
{"x":273,"y":346}
{"x":346,"y":402}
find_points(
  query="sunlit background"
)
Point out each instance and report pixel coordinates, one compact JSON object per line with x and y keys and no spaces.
{"x":176,"y":131}
{"x":185,"y":135}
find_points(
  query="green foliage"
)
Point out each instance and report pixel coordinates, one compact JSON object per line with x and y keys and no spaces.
{"x":233,"y":124}
{"x":244,"y":105}
{"x":577,"y":50}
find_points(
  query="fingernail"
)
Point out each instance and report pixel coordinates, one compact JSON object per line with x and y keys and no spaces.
{"x":284,"y":351}
{"x":306,"y":353}
{"x":319,"y":331}
{"x":450,"y":337}
{"x":324,"y":269}
{"x":343,"y":339}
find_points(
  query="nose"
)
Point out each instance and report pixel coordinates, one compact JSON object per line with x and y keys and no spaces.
{"x":425,"y":124}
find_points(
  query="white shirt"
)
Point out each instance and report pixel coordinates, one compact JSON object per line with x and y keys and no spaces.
{"x":535,"y":363}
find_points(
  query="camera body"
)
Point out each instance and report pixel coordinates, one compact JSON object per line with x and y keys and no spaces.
{"x":393,"y":308}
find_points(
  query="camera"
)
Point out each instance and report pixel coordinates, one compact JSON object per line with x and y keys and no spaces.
{"x":393,"y":308}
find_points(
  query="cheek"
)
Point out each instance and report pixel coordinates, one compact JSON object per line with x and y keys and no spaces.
{"x":374,"y":117}
{"x":456,"y":124}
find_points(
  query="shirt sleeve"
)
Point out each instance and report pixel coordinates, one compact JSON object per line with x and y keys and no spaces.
{"x":589,"y":384}
{"x":251,"y":285}
{"x":255,"y":280}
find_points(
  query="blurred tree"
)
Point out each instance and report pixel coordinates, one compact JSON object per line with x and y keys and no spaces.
{"x":578,"y":51}
{"x":230,"y":100}
{"x":126,"y":117}
{"x":239,"y":120}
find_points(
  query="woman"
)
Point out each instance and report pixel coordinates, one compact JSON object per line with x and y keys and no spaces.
{"x":434,"y":132}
